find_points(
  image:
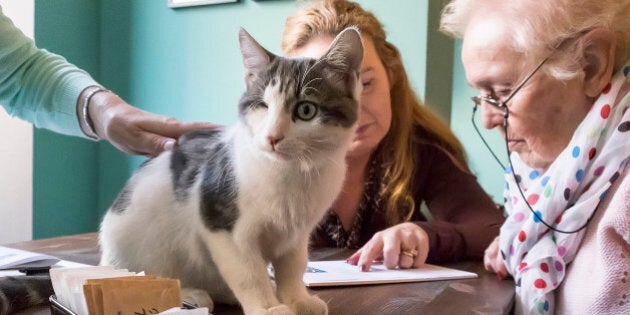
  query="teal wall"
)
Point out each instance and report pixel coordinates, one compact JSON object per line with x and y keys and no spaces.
{"x":489,"y":172}
{"x":64,"y":168}
{"x":184,"y":63}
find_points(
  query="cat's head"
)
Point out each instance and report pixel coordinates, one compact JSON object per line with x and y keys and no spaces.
{"x":301,"y":109}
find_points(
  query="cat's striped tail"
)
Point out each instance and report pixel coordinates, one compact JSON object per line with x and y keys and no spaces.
{"x":21,"y":292}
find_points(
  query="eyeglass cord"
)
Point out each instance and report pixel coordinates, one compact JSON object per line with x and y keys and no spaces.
{"x":516,"y":181}
{"x":483,"y":139}
{"x":530,"y":207}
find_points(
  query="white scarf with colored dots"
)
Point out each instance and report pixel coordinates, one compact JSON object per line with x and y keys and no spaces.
{"x":564,"y":196}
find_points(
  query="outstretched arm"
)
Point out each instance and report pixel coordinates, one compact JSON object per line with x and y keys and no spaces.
{"x":46,"y":90}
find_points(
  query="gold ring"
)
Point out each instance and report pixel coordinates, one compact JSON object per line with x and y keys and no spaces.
{"x":411,"y":253}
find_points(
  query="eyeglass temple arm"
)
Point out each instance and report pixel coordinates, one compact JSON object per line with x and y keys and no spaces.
{"x":522,"y":83}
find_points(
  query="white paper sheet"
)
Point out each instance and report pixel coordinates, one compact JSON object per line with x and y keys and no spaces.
{"x":11,"y":258}
{"x":338,"y":273}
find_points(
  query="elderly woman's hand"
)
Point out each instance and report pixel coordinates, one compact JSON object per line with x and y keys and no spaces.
{"x":493,"y":261}
{"x":405,"y":246}
{"x":133,"y":130}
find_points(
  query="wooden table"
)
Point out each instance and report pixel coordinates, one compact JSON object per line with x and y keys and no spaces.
{"x":483,"y":295}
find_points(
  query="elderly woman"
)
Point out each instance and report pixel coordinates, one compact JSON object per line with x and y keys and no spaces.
{"x":553,"y":78}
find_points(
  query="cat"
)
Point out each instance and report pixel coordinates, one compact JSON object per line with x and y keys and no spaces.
{"x":224,"y":203}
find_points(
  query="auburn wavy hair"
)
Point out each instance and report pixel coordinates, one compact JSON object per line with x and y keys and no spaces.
{"x":397,"y":149}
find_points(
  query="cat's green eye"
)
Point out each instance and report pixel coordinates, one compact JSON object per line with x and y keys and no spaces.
{"x":306,"y":111}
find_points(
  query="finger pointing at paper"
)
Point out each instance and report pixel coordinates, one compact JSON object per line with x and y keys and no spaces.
{"x":403,"y":246}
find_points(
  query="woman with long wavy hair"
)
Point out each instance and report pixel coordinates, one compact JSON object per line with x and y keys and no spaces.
{"x":402,"y":156}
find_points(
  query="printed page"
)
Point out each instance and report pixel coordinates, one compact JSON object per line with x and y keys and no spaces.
{"x":338,"y":273}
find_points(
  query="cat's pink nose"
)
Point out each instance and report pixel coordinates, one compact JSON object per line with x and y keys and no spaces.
{"x":274,"y":140}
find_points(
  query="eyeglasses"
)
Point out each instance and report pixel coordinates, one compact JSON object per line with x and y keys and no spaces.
{"x":502,"y":106}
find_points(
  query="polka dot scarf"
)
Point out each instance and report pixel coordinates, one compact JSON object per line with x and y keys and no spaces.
{"x":564,"y":196}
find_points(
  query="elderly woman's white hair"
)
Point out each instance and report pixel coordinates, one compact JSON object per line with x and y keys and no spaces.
{"x":538,"y":28}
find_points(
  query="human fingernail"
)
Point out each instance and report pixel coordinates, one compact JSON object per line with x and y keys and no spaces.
{"x":364,"y":268}
{"x":169,"y":144}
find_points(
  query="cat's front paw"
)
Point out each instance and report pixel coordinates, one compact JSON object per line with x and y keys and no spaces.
{"x":311,"y":305}
{"x":281,"y":309}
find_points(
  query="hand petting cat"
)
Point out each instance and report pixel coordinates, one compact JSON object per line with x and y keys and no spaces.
{"x":404,"y":246}
{"x":133,"y":130}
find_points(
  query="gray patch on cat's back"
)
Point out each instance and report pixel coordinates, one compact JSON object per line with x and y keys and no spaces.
{"x":191,"y":152}
{"x":218,"y":191}
{"x":202,"y":153}
{"x":122,"y":201}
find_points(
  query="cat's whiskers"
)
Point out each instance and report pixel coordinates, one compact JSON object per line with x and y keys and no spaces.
{"x":318,"y":173}
{"x":310,"y":81}
{"x":333,"y":161}
{"x":323,"y":144}
{"x":307,"y":86}
{"x":305,"y":167}
{"x":306,"y":163}
{"x":308,"y":70}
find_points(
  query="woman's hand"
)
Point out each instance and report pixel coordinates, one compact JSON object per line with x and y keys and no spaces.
{"x":405,"y":246}
{"x":133,"y":130}
{"x":493,"y":261}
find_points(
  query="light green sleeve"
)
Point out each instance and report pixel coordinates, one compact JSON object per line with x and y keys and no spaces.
{"x":39,"y":86}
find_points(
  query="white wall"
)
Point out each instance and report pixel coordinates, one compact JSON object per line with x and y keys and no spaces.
{"x":16,"y":153}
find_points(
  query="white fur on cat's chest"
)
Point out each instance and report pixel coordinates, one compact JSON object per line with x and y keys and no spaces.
{"x":293,"y":204}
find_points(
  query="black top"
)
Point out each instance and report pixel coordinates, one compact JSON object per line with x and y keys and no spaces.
{"x":464,"y":221}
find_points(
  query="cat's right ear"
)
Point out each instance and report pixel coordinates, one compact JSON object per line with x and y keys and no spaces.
{"x":344,"y":57}
{"x":346,"y":51}
{"x":255,"y":57}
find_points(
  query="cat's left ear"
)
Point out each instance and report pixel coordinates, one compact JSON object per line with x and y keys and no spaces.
{"x":345,"y":56}
{"x":255,"y":57}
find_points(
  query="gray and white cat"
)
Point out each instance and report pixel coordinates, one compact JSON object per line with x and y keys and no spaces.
{"x":225,"y":203}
